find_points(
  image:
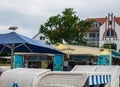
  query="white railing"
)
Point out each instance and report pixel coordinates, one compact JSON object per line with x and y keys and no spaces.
{"x":93,"y":39}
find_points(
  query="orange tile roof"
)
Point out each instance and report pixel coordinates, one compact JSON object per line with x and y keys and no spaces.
{"x":100,"y":20}
{"x":117,"y":19}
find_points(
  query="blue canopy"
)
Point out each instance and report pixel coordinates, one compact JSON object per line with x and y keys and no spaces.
{"x":24,"y":44}
{"x":14,"y":42}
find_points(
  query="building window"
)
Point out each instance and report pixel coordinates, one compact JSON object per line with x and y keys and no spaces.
{"x":119,"y":50}
{"x":92,"y":35}
{"x":110,"y":33}
{"x":42,"y":38}
{"x":96,"y":24}
{"x":98,"y":35}
{"x":110,"y":22}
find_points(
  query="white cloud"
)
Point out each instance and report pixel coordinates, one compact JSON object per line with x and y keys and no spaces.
{"x":26,"y":32}
{"x":53,"y":7}
{"x":28,"y":15}
{"x":4,"y":29}
{"x":20,"y":30}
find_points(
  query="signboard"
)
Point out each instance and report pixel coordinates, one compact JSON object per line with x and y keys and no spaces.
{"x":18,"y":61}
{"x":104,"y":60}
{"x":58,"y":63}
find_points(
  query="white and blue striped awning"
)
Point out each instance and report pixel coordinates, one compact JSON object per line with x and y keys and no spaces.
{"x":98,"y":79}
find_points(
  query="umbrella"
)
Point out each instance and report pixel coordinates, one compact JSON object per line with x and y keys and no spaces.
{"x":14,"y":42}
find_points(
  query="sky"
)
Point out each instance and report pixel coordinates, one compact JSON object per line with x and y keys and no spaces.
{"x":28,"y":15}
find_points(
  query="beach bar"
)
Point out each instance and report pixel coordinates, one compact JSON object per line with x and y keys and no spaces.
{"x":39,"y":60}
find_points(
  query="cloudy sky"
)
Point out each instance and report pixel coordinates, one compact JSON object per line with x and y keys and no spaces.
{"x":28,"y":15}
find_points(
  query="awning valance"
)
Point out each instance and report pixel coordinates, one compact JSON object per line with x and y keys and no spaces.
{"x":115,"y":54}
{"x":98,"y":79}
{"x":77,"y":50}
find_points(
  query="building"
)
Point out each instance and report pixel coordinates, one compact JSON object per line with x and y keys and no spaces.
{"x":41,"y":37}
{"x":110,"y":32}
{"x":93,"y":34}
{"x":104,"y":33}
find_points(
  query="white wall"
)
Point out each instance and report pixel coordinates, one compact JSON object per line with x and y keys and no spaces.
{"x":101,"y":32}
{"x":38,"y":38}
{"x":117,"y":28}
{"x":101,"y":42}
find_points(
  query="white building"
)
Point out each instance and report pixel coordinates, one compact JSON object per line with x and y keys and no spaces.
{"x":105,"y":31}
{"x":110,"y":32}
{"x":41,"y":37}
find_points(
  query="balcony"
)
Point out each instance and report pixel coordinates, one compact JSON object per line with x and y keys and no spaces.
{"x":93,"y":39}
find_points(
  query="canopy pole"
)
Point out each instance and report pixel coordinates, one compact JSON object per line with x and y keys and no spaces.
{"x":12,"y":55}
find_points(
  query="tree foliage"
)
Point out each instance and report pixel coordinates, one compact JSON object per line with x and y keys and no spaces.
{"x":67,"y":27}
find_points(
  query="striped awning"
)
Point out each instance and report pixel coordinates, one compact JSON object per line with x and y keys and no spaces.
{"x":98,"y":79}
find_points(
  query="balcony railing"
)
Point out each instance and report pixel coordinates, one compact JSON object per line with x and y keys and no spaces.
{"x":93,"y":39}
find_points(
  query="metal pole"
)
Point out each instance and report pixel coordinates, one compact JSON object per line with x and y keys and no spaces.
{"x":12,"y":55}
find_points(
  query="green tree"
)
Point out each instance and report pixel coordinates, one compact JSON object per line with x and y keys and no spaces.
{"x":51,"y":29}
{"x":83,"y":27}
{"x":67,"y":27}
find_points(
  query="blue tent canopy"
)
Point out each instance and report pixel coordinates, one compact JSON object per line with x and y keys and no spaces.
{"x":14,"y":42}
{"x":24,"y":44}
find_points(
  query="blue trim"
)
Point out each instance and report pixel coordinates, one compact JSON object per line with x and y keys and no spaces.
{"x":15,"y":85}
{"x":107,"y":78}
{"x":98,"y":79}
{"x":92,"y":79}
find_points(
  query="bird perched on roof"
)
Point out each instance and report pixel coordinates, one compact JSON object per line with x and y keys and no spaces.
{"x":13,"y":28}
